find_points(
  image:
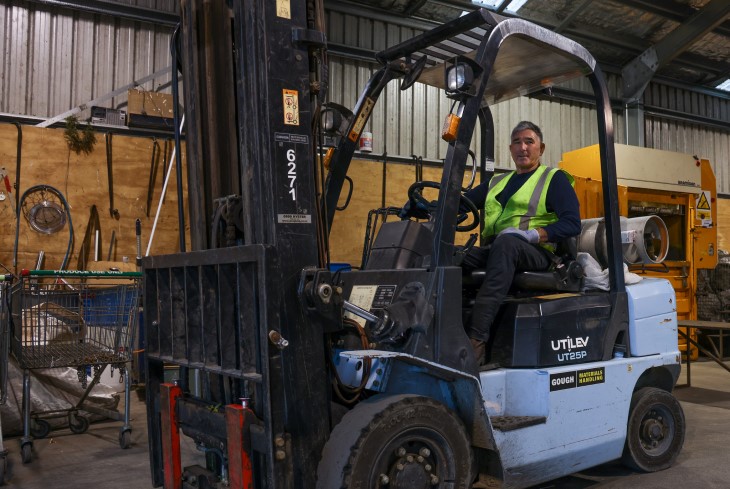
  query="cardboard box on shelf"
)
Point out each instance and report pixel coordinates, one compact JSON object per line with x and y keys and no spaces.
{"x":152,"y":110}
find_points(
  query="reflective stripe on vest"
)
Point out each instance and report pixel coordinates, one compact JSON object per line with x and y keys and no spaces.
{"x":526,"y":209}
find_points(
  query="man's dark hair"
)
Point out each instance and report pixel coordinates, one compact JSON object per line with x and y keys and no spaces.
{"x":524,"y":125}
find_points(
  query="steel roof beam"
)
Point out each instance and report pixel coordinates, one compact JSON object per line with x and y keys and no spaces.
{"x":566,"y":21}
{"x":637,"y":73}
{"x":671,"y":11}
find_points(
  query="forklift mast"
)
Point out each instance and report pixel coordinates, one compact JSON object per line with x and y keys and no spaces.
{"x":249,"y":105}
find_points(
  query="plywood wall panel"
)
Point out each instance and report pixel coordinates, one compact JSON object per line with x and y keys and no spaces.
{"x":83,"y":180}
{"x":348,"y":229}
{"x":723,"y":224}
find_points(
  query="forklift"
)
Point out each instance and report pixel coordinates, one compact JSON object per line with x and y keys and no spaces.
{"x":295,"y":375}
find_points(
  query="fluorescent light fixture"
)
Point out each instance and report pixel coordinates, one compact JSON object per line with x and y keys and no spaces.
{"x":724,"y":86}
{"x":513,"y":6}
{"x":487,"y":3}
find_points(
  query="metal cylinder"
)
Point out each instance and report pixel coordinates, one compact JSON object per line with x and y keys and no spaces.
{"x":643,"y":239}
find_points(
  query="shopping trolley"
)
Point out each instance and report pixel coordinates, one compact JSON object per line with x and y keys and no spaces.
{"x":79,"y":319}
{"x":4,"y":354}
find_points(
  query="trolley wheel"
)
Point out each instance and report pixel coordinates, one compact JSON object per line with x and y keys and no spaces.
{"x":40,"y":428}
{"x":26,"y":452}
{"x":125,"y":439}
{"x":78,"y":424}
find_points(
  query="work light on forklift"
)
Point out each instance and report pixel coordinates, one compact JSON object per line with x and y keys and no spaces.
{"x":334,"y":118}
{"x":461,"y":75}
{"x":331,"y":120}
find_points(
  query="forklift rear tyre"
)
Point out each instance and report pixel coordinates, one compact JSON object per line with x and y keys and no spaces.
{"x":655,"y":432}
{"x":397,"y":442}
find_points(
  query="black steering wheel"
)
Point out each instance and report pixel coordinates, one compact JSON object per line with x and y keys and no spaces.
{"x":417,"y":200}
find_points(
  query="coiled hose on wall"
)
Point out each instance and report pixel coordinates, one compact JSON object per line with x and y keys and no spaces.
{"x":42,"y":189}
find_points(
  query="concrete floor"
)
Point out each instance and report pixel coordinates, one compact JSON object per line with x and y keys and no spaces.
{"x":94,"y":459}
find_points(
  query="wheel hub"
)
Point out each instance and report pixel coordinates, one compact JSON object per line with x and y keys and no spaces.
{"x":411,"y":471}
{"x":653,"y":431}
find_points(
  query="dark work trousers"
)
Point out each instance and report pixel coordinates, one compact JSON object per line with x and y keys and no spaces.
{"x":506,"y":255}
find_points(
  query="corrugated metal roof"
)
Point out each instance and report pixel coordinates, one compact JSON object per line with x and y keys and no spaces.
{"x":614,"y":31}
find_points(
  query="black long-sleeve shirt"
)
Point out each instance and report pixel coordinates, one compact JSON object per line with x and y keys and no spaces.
{"x":560,"y":199}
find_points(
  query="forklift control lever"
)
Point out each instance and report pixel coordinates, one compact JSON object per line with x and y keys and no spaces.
{"x":360,"y":312}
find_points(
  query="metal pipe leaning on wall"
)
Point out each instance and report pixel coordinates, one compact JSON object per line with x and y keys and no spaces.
{"x":644,"y":239}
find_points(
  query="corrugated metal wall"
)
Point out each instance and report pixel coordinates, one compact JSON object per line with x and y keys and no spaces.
{"x":708,"y":140}
{"x":54,"y":59}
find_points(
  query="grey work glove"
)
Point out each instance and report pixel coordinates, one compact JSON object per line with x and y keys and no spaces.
{"x":531,"y":235}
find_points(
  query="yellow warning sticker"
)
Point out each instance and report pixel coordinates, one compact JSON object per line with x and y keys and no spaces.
{"x":283,"y":9}
{"x":291,"y":107}
{"x":703,"y":208}
{"x":362,"y":118}
{"x":703,"y":202}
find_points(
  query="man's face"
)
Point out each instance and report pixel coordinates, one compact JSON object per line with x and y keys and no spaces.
{"x":526,"y":149}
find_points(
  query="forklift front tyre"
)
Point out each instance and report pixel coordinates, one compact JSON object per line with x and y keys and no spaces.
{"x":655,"y":432}
{"x":397,"y":442}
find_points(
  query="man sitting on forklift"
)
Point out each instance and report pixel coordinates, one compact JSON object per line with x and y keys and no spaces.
{"x":527,"y":211}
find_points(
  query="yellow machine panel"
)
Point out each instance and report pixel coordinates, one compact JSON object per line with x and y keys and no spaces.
{"x":678,"y":188}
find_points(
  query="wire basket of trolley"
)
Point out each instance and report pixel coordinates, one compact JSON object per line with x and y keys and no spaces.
{"x":84,"y":320}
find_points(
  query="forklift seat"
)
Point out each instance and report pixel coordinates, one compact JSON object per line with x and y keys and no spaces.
{"x":565,"y":275}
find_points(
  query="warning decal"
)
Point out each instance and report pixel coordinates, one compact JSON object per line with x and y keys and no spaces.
{"x":703,"y":208}
{"x":291,"y":107}
{"x":361,"y":119}
{"x":283,"y":9}
{"x":703,"y":203}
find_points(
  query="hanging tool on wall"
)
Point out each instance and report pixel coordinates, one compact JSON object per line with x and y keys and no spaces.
{"x":112,"y":244}
{"x":92,"y":228}
{"x":164,"y":158}
{"x":164,"y":189}
{"x":47,"y":212}
{"x":418,"y":161}
{"x":18,"y":153}
{"x":112,"y":210}
{"x":8,"y":188}
{"x":153,"y":173}
{"x":138,"y":235}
